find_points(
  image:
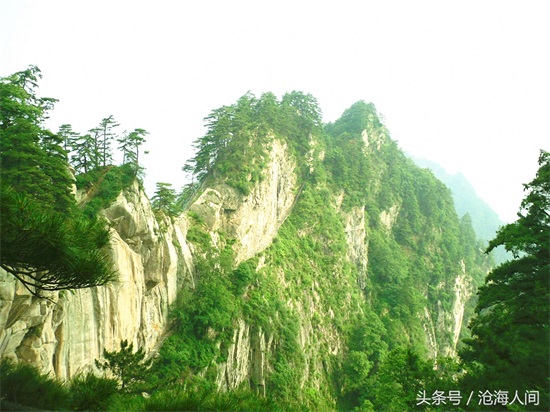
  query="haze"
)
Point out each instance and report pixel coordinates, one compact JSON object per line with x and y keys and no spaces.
{"x":464,"y":84}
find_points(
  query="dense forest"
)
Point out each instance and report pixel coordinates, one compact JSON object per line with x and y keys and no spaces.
{"x":346,"y":318}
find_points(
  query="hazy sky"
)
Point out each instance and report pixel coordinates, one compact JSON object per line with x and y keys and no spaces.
{"x":462,"y":83}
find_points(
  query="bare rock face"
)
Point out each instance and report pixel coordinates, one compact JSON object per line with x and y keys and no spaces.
{"x":68,"y":333}
{"x":252,"y":220}
{"x":440,"y":321}
{"x":358,"y":244}
{"x":153,"y":259}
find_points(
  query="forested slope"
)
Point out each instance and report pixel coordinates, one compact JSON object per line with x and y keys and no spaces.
{"x":371,"y":257}
{"x":307,"y":266}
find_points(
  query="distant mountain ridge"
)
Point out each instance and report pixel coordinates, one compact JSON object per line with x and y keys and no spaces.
{"x":485,"y":220}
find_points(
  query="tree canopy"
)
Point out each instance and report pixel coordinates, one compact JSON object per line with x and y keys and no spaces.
{"x":46,"y":241}
{"x":165,"y":199}
{"x":510,"y":345}
{"x":235,"y":145}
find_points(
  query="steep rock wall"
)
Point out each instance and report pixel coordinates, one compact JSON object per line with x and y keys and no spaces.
{"x":153,"y":259}
{"x":66,"y":333}
{"x":252,"y":220}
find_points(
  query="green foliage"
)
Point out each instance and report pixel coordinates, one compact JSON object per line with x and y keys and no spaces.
{"x":402,"y":374}
{"x":242,"y":277}
{"x":48,"y":251}
{"x":359,"y":117}
{"x":235,"y":146}
{"x":32,"y":158}
{"x":510,"y":343}
{"x":47,"y":243}
{"x":483,"y":219}
{"x":165,"y":199}
{"x":202,"y":320}
{"x":130,"y":144}
{"x":23,"y":384}
{"x":127,"y":366}
{"x":103,"y":186}
{"x":84,"y":155}
{"x":91,"y":393}
{"x":106,"y":136}
{"x":196,"y":234}
{"x":202,"y":399}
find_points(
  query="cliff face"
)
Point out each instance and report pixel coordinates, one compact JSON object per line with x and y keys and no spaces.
{"x":322,"y":263}
{"x":153,"y":260}
{"x":252,"y":220}
{"x":67,"y":332}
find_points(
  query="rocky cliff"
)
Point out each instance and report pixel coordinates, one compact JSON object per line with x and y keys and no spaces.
{"x":153,"y":259}
{"x":325,"y":260}
{"x":67,"y":331}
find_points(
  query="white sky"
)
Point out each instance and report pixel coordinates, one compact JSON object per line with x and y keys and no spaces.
{"x":462,"y":83}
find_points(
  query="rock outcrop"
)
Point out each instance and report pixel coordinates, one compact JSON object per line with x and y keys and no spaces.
{"x":67,"y":332}
{"x":252,"y":220}
{"x":154,"y":259}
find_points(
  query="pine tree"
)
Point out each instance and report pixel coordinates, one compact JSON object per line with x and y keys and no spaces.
{"x":128,"y":366}
{"x":68,"y":136}
{"x":32,"y":158}
{"x":56,"y":169}
{"x":46,"y":243}
{"x":509,"y":349}
{"x":107,"y":135}
{"x":95,"y":152}
{"x":83,"y":155}
{"x":21,"y":132}
{"x":129,"y":144}
{"x":165,"y":198}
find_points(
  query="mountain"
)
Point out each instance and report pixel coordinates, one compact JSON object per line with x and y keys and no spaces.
{"x":307,"y":258}
{"x":485,"y":221}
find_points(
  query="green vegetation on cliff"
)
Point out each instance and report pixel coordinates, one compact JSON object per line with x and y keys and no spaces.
{"x":360,"y":316}
{"x":48,"y":244}
{"x":356,"y":303}
{"x":48,"y":241}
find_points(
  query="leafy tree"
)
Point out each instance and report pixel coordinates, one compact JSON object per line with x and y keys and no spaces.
{"x":82,"y":156}
{"x":234,"y":146}
{"x":402,"y":374}
{"x":510,"y":343}
{"x":305,"y":106}
{"x":68,"y":136}
{"x":127,"y":366}
{"x":165,"y":198}
{"x":125,"y":147}
{"x":95,"y":155}
{"x":46,"y":243}
{"x":56,"y":169}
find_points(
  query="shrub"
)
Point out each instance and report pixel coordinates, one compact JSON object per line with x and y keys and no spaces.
{"x":90,"y":392}
{"x":129,"y":367}
{"x":24,"y":384}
